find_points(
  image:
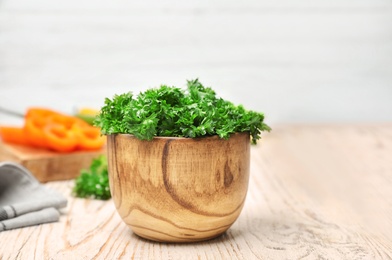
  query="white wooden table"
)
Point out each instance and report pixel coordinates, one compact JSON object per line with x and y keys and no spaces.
{"x":316,"y":192}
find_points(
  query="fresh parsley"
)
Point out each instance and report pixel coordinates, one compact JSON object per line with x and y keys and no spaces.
{"x":171,"y":111}
{"x":94,"y":181}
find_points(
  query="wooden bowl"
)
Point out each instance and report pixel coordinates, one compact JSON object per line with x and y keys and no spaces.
{"x":179,"y":189}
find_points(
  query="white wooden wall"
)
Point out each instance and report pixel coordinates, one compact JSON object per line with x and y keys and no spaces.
{"x":296,"y":61}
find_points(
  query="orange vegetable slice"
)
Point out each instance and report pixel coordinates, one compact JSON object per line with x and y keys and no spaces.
{"x":40,"y":112}
{"x":46,"y":128}
{"x":65,"y":120}
{"x":59,"y":138}
{"x":33,"y":130}
{"x":89,"y":138}
{"x":14,"y":135}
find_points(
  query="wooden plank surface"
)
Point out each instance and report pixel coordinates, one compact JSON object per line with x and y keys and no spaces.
{"x":47,"y":165}
{"x":289,"y":59}
{"x":316,"y":192}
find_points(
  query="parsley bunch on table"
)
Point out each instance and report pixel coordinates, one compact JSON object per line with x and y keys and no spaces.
{"x":94,"y":181}
{"x":171,"y":111}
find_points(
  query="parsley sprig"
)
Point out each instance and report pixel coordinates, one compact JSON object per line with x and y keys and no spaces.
{"x":94,"y":181}
{"x":171,"y":111}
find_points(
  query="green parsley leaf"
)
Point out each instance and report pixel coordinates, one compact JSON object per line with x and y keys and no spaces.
{"x":93,"y":182}
{"x":171,"y":111}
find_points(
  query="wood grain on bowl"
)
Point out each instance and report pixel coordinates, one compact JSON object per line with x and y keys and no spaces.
{"x":179,"y":189}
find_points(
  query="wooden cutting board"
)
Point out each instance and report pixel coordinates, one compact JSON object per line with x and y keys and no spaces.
{"x":46,"y":165}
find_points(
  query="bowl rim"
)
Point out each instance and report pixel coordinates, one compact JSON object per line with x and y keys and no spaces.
{"x":182,"y":138}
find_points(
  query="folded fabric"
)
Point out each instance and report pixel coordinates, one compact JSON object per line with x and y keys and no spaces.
{"x":24,"y":201}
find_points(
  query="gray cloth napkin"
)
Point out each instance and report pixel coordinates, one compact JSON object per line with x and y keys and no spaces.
{"x":24,"y":201}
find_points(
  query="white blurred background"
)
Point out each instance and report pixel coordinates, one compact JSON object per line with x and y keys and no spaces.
{"x":298,"y":61}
